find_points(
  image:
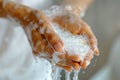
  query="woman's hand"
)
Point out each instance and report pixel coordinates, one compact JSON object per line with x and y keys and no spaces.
{"x":33,"y":21}
{"x":76,"y":26}
{"x":42,"y":37}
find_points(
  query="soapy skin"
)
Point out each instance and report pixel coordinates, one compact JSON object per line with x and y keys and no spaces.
{"x":43,"y":38}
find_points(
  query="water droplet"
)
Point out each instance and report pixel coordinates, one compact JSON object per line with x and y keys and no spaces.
{"x":83,"y":72}
{"x":95,"y":60}
{"x":94,"y":65}
{"x":60,"y":76}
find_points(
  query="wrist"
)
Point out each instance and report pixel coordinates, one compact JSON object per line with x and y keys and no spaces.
{"x":76,"y":7}
{"x":75,"y":10}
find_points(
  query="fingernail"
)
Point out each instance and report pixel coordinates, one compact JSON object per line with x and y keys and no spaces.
{"x":85,"y":64}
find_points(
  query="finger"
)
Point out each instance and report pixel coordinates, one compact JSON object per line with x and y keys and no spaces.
{"x":92,"y":39}
{"x":73,"y":64}
{"x":37,"y":41}
{"x":70,"y":60}
{"x":2,"y":12}
{"x":76,"y":65}
{"x":73,"y":58}
{"x":87,"y":59}
{"x":66,"y":56}
{"x":25,"y":16}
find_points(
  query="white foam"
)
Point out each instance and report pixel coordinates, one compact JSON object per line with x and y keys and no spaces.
{"x":68,"y":7}
{"x":54,"y":10}
{"x":42,"y":30}
{"x":74,"y":44}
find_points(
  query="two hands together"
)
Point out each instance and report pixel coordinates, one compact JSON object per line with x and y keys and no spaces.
{"x":43,"y":38}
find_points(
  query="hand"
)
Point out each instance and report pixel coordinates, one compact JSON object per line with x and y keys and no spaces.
{"x":40,"y":32}
{"x":34,"y":21}
{"x":76,"y":26}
